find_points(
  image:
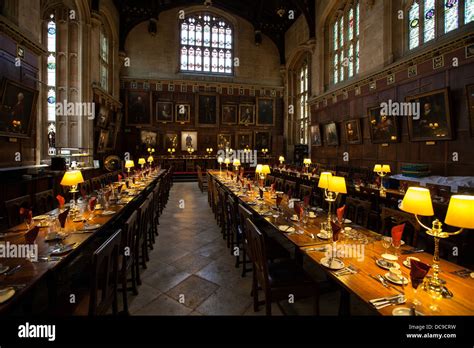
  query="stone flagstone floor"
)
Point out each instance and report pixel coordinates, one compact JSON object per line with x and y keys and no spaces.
{"x":191,"y":271}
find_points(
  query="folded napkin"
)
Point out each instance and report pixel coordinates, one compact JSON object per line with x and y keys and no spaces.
{"x":31,"y":235}
{"x":92,"y":203}
{"x":261,"y":192}
{"x":26,"y":214}
{"x":397,"y":232}
{"x":62,"y":218}
{"x":119,"y":177}
{"x":249,"y":186}
{"x":336,"y":229}
{"x":61,"y":201}
{"x":232,"y":176}
{"x":340,"y":213}
{"x":127,"y":183}
{"x":133,"y":180}
{"x":418,"y":271}
{"x":298,"y":209}
{"x":273,"y":187}
{"x":119,"y":188}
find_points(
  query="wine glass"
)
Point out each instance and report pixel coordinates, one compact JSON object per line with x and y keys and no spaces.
{"x":396,"y":244}
{"x":386,"y":242}
{"x":90,"y":208}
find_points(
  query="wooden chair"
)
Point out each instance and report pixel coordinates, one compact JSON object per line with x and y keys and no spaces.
{"x":13,"y":209}
{"x":269,"y":180}
{"x":391,"y":217}
{"x":290,"y":185}
{"x":96,"y":184}
{"x":306,"y":191}
{"x":278,"y":279}
{"x":86,"y":186}
{"x":129,"y":246}
{"x":358,"y":211}
{"x":202,"y":181}
{"x":233,"y":237}
{"x":280,"y":184}
{"x":144,"y":229}
{"x":222,"y":193}
{"x":44,"y":202}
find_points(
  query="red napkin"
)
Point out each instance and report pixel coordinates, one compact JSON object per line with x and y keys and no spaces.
{"x":306,"y":201}
{"x":397,"y":232}
{"x":242,"y":182}
{"x":340,"y":213}
{"x":119,"y":189}
{"x":298,"y":209}
{"x":61,"y":201}
{"x":249,"y":186}
{"x":133,"y":180}
{"x":127,"y":183}
{"x":273,"y":187}
{"x":30,"y":236}
{"x":232,"y":176}
{"x":418,"y":271}
{"x":119,"y":177}
{"x":62,"y":218}
{"x":27,"y":214}
{"x":336,"y":229}
{"x":92,"y":203}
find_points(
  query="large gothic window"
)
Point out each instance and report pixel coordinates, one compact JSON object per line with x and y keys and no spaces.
{"x":303,"y":112}
{"x":206,"y":44}
{"x":104,"y":59}
{"x":51,"y":83}
{"x":428,"y":19}
{"x":345,"y":43}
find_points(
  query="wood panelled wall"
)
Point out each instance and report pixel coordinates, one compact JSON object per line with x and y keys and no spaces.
{"x":25,"y":75}
{"x":129,"y":139}
{"x":439,"y":156}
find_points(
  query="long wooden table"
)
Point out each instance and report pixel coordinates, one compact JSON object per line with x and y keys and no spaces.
{"x":360,"y":284}
{"x":31,"y":272}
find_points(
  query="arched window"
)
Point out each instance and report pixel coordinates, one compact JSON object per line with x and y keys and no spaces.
{"x":345,"y":43}
{"x":51,"y":83}
{"x":428,"y":19}
{"x":303,"y":111}
{"x":104,"y":59}
{"x":206,"y":44}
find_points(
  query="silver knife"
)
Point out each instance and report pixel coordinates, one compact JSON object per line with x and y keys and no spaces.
{"x":13,"y":270}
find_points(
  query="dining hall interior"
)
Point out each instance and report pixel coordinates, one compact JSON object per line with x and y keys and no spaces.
{"x":236,"y":158}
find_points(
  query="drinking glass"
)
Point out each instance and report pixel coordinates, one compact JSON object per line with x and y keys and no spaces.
{"x":91,"y":212}
{"x":396,"y":244}
{"x":386,"y":242}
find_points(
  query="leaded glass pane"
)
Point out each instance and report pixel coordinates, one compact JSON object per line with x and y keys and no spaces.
{"x":413,"y":25}
{"x":51,"y":68}
{"x":430,"y":19}
{"x":468,"y":11}
{"x":351,"y":23}
{"x":451,"y":15}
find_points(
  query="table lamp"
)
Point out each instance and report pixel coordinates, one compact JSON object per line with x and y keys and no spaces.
{"x":282,"y":160}
{"x":332,"y":185}
{"x":220,"y":160}
{"x":265,"y":151}
{"x":382,"y":171}
{"x":209,"y":151}
{"x":236,"y":165}
{"x":417,"y":201}
{"x":307,"y":163}
{"x":151,"y":150}
{"x":227,"y":162}
{"x":141,"y":161}
{"x":150,"y":160}
{"x":72,"y":178}
{"x":171,"y":151}
{"x":129,"y":164}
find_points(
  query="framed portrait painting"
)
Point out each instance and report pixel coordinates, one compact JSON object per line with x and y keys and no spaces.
{"x":265,"y":111}
{"x":189,"y":139}
{"x":383,"y":128}
{"x":207,"y":110}
{"x":138,"y":108}
{"x":102,"y":142}
{"x":433,"y":122}
{"x":224,"y":140}
{"x":163,"y":111}
{"x":316,"y":136}
{"x":246,"y":114}
{"x":243,"y":140}
{"x":148,"y":138}
{"x":229,"y":114}
{"x":263,"y":140}
{"x":102,"y":116}
{"x":171,"y":141}
{"x":470,"y":107}
{"x":331,"y":138}
{"x":352,"y":131}
{"x":183,"y":113}
{"x":18,"y":106}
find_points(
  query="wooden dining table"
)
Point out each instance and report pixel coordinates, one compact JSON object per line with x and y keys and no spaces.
{"x":359,"y":249}
{"x":31,"y":272}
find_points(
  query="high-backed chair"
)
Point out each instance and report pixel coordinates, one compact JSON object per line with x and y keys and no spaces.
{"x":290,"y":185}
{"x":391,"y":217}
{"x":13,"y":209}
{"x":358,"y":211}
{"x":129,"y":246}
{"x":44,"y":202}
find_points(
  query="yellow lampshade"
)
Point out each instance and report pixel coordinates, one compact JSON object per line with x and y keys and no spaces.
{"x":72,"y":178}
{"x":266,"y":169}
{"x":259,"y":168}
{"x":417,"y":201}
{"x":236,"y":162}
{"x":378,"y":168}
{"x":129,"y":164}
{"x":324,"y":179}
{"x":150,"y":159}
{"x":220,"y":160}
{"x":141,"y":161}
{"x":281,"y":159}
{"x":307,"y":161}
{"x":460,"y":211}
{"x":337,"y":184}
{"x":386,"y":168}
{"x":227,"y":160}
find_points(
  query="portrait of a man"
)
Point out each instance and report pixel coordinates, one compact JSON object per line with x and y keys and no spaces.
{"x":265,"y":111}
{"x":330,"y":134}
{"x":207,"y":110}
{"x":316,"y":136}
{"x":164,"y":111}
{"x":138,"y":108}
{"x":246,"y":114}
{"x":189,"y":139}
{"x":352,"y":130}
{"x":229,"y":114}
{"x":383,"y":128}
{"x":183,"y":113}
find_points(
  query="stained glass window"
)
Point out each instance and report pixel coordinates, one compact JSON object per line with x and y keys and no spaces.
{"x":104,"y":60}
{"x":51,"y":82}
{"x":345,"y":42}
{"x":206,"y":44}
{"x":303,"y":111}
{"x":429,"y":18}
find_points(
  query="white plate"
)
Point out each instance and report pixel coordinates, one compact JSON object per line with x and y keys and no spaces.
{"x":403,"y":311}
{"x":4,"y":268}
{"x":390,"y":257}
{"x":380,"y":263}
{"x":347,"y":221}
{"x":6,"y":295}
{"x":407,"y":263}
{"x":312,"y":216}
{"x":323,"y":236}
{"x":399,"y":281}
{"x":40,"y":217}
{"x":336,"y":264}
{"x":108,"y":212}
{"x":91,"y":227}
{"x":295,"y":220}
{"x":286,"y":229}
